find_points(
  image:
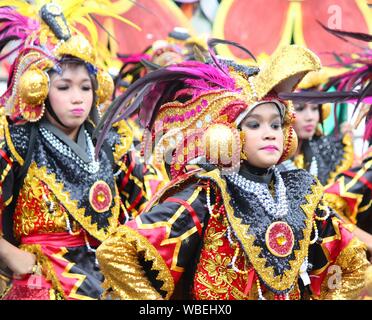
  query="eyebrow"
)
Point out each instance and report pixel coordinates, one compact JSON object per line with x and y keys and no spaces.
{"x":259,"y":117}
{"x":70,"y":80}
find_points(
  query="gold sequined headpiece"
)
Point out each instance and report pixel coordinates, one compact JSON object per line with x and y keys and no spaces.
{"x":215,"y":96}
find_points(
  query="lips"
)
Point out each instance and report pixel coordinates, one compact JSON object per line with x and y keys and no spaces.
{"x":270,"y":148}
{"x":309,"y":128}
{"x":77,"y":111}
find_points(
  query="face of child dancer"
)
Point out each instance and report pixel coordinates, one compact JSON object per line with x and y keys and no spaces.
{"x":307,"y":118}
{"x":263,"y":133}
{"x":71,"y":97}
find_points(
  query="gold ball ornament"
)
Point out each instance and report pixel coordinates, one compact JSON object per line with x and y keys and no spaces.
{"x":33,"y":86}
{"x":290,"y":144}
{"x":105,"y":86}
{"x":221,"y":143}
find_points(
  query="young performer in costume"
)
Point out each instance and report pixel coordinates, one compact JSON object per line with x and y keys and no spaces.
{"x":228,"y":232}
{"x":350,"y":193}
{"x":324,"y":156}
{"x":58,"y":200}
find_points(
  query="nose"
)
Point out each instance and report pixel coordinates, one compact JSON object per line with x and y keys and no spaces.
{"x":76,"y":97}
{"x":310,"y":114}
{"x":269,"y":133}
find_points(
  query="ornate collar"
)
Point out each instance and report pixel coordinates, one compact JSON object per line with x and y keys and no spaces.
{"x":261,"y":235}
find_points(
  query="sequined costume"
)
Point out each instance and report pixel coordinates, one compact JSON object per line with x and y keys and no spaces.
{"x":350,"y":195}
{"x":179,"y":237}
{"x":217,"y":230}
{"x":57,"y":200}
{"x":324,"y":156}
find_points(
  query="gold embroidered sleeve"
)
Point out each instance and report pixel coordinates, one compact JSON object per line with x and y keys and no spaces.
{"x":368,"y":278}
{"x":125,"y":277}
{"x":353,"y":263}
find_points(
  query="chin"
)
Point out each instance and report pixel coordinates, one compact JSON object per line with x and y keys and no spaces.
{"x":307,"y":136}
{"x":266,"y":164}
{"x":76,"y":122}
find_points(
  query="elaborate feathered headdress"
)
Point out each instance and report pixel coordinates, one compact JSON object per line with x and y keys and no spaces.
{"x":186,"y":103}
{"x":179,"y":46}
{"x":45,"y":32}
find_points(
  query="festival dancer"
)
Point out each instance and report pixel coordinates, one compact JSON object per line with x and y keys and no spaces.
{"x":58,"y":200}
{"x":229,"y":230}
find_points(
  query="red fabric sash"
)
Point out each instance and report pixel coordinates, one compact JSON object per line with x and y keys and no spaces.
{"x":59,"y":239}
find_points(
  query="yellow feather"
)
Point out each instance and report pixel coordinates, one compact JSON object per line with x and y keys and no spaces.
{"x":75,"y":16}
{"x":91,"y":28}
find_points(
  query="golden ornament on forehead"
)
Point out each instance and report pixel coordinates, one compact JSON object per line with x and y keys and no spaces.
{"x":33,"y":86}
{"x":105,"y":86}
{"x":77,"y":46}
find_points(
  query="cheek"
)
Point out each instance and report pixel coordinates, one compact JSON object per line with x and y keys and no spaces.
{"x":249,"y":142}
{"x":280,"y":138}
{"x":317,"y":116}
{"x":56,"y":100}
{"x":298,"y":121}
{"x":88,"y":99}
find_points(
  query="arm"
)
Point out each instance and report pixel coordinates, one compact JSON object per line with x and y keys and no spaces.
{"x":146,"y":258}
{"x":366,"y":238}
{"x":18,"y":261}
{"x":340,"y":261}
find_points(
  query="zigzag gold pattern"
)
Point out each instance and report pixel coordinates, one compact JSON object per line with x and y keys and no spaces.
{"x":126,"y":139}
{"x":72,"y":205}
{"x":347,"y":159}
{"x":78,"y":277}
{"x":286,"y":280}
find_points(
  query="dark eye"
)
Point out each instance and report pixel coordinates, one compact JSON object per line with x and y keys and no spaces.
{"x":299,"y":108}
{"x":276,"y":125}
{"x":314,"y":108}
{"x":252,"y":124}
{"x":62,"y":88}
{"x":86,"y":88}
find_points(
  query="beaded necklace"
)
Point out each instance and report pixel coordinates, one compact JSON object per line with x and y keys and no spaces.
{"x":278,"y":207}
{"x":91,"y":167}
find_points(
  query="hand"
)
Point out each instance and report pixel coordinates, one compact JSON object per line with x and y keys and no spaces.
{"x":22,"y":262}
{"x":18,"y":261}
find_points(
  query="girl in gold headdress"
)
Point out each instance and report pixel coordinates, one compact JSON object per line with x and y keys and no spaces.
{"x":230,"y":229}
{"x":58,"y":199}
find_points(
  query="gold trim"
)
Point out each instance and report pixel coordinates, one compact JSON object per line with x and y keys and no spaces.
{"x":286,"y":280}
{"x":168,"y":228}
{"x":353,"y":263}
{"x":126,"y":140}
{"x":66,"y":273}
{"x":347,"y":159}
{"x":142,"y":244}
{"x":72,"y":205}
